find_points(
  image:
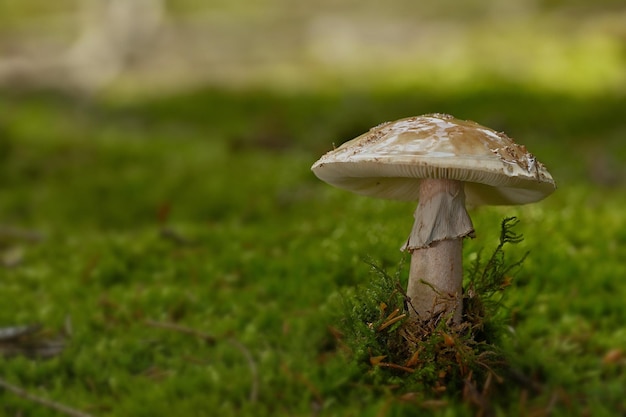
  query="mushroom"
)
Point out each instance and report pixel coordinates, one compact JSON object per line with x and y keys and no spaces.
{"x":442,"y":162}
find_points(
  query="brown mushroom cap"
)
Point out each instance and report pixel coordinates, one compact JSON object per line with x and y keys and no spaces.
{"x":390,"y":159}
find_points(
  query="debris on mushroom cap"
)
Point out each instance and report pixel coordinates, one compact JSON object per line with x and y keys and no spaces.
{"x":389,"y":159}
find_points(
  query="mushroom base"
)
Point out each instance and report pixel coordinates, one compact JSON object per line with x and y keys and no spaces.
{"x":436,"y":274}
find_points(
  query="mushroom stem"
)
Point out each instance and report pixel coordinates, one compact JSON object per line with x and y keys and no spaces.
{"x":435,"y":280}
{"x":436,"y":245}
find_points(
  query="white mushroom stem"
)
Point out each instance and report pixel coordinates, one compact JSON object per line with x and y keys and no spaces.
{"x":436,"y":245}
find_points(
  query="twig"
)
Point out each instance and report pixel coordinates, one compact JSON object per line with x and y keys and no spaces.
{"x":8,"y":334}
{"x":32,"y":236}
{"x":301,"y":378}
{"x":174,"y":236}
{"x":388,"y":323}
{"x":254,"y":391}
{"x":181,"y":329}
{"x":395,"y":366}
{"x":26,"y":340}
{"x":42,"y":401}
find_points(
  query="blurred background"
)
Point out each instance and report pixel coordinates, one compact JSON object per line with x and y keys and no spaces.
{"x":269,"y":76}
{"x":572,"y":46}
{"x":128,"y":83}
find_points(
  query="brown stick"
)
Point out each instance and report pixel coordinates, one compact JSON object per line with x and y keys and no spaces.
{"x":395,"y":366}
{"x":254,"y":390}
{"x":42,"y":401}
{"x":181,"y":329}
{"x":390,"y":322}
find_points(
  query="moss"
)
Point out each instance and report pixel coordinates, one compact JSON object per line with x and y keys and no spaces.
{"x":436,"y":357}
{"x":161,"y":210}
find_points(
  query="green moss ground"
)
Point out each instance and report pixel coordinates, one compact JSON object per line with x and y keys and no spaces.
{"x":200,"y":210}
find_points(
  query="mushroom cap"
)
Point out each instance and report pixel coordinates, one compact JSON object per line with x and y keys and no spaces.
{"x":390,"y":159}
